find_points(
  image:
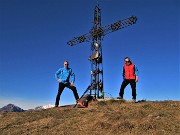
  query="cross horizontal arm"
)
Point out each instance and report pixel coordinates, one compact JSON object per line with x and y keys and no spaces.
{"x":119,"y":25}
{"x":102,"y":31}
{"x":80,"y":39}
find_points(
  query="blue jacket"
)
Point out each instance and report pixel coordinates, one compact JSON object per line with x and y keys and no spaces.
{"x":65,"y":74}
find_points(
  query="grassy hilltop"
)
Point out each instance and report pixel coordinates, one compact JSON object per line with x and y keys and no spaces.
{"x":113,"y":117}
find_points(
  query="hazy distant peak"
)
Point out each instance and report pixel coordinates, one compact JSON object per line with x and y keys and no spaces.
{"x":44,"y":107}
{"x":11,"y":108}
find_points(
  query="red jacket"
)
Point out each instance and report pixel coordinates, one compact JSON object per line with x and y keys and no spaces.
{"x":129,"y":71}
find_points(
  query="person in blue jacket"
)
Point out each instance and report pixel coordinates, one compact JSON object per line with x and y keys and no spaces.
{"x":66,"y":78}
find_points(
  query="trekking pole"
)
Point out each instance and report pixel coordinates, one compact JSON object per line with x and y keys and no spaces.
{"x":83,"y":94}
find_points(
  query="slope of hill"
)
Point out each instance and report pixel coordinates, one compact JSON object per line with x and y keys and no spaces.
{"x":100,"y":118}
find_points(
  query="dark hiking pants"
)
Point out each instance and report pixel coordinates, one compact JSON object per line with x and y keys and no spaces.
{"x":60,"y":90}
{"x":133,"y":87}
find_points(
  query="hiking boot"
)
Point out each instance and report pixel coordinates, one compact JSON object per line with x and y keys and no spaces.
{"x":134,"y":100}
{"x":120,"y":97}
{"x":56,"y":106}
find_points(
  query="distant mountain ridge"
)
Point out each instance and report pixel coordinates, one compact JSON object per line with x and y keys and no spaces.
{"x":44,"y":107}
{"x":11,"y":108}
{"x":14,"y":108}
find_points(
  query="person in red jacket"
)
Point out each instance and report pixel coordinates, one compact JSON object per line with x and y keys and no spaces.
{"x":130,"y":76}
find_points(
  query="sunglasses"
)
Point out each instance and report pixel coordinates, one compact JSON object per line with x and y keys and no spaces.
{"x":127,"y":61}
{"x":66,"y":64}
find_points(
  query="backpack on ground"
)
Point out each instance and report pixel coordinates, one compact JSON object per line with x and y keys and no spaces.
{"x":83,"y":101}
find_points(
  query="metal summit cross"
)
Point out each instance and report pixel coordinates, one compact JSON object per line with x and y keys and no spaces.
{"x":95,"y":36}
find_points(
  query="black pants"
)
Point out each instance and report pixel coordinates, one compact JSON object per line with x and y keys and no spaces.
{"x":60,"y":90}
{"x":133,"y":87}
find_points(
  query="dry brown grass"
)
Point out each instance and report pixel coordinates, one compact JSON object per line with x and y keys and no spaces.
{"x":106,"y":117}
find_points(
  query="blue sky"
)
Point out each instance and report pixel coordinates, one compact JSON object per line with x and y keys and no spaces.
{"x":33,"y":37}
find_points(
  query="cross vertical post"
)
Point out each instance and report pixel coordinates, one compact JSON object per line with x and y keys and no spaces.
{"x":96,"y":90}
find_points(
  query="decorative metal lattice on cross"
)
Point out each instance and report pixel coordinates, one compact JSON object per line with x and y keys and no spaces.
{"x":95,"y":35}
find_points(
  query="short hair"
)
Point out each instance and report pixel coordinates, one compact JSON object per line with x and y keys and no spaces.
{"x":66,"y":61}
{"x":127,"y":58}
